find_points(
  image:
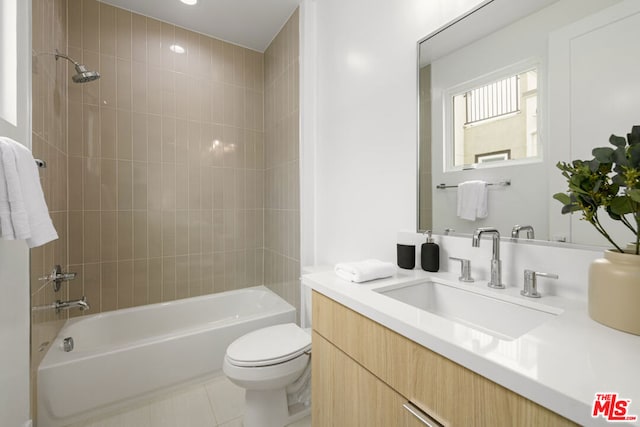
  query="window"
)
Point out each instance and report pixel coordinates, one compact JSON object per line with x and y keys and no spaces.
{"x":493,"y":100}
{"x":495,"y":121}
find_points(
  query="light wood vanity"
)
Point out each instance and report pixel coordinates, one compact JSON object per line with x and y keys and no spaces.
{"x":363,"y":374}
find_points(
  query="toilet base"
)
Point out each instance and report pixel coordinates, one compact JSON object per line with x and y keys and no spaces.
{"x":269,"y":408}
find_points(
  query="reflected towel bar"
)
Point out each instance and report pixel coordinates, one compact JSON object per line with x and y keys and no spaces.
{"x":41,"y":163}
{"x":504,"y":183}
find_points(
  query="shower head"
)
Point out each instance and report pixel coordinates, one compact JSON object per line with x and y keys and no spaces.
{"x":83,"y":75}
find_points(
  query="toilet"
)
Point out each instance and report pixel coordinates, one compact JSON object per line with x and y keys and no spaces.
{"x":273,"y":365}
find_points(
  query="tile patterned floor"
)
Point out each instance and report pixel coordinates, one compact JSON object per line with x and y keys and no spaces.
{"x":217,"y":403}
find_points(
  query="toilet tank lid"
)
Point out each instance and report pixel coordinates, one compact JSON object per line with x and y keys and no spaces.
{"x":271,"y":345}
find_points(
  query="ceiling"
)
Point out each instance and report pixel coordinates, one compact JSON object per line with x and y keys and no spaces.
{"x":248,"y":23}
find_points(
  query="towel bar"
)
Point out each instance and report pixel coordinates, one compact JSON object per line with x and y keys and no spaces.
{"x":504,"y":183}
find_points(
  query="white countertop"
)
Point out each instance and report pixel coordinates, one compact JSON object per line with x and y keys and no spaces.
{"x":560,"y":364}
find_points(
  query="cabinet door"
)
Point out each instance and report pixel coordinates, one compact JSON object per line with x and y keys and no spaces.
{"x":345,"y":394}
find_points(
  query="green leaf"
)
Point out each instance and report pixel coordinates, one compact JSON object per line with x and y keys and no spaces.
{"x":603,"y":154}
{"x":619,"y":180}
{"x":634,"y":156}
{"x":635,"y":195}
{"x":634,"y":136}
{"x":618,"y":141}
{"x":621,"y":205}
{"x":570,"y":209}
{"x":620,"y":156}
{"x":563,"y":198}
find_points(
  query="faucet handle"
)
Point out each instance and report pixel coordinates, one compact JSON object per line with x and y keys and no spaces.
{"x":465,"y":269}
{"x":530,"y":283}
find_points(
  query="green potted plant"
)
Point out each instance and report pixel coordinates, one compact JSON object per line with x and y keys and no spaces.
{"x":610,"y":182}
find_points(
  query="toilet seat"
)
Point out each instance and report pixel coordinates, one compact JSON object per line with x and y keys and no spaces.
{"x":269,"y":346}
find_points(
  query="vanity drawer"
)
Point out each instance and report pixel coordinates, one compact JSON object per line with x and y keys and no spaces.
{"x":452,"y":394}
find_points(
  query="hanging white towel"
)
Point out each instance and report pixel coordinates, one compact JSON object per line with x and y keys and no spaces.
{"x":364,"y":271}
{"x":472,"y":200}
{"x":22,"y":196}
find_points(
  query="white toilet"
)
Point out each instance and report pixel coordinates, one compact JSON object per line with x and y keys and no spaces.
{"x":273,"y":364}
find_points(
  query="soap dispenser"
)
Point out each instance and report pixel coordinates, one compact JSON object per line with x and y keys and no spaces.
{"x":430,"y":257}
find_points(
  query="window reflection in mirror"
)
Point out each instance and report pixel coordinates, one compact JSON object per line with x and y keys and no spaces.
{"x":496,"y":121}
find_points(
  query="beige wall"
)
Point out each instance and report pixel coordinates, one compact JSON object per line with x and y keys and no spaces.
{"x":282,"y":194}
{"x":165,"y":161}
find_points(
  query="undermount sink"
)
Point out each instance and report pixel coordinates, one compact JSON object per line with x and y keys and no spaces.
{"x":499,"y":317}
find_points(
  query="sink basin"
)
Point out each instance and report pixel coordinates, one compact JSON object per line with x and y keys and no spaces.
{"x":499,"y":317}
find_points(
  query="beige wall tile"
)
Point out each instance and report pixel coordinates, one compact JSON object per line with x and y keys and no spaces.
{"x":109,"y":236}
{"x":139,"y":38}
{"x":155,"y":280}
{"x":91,"y":130}
{"x":123,"y":34}
{"x":108,"y":132}
{"x":154,"y":227}
{"x":168,"y":279}
{"x":125,"y":185}
{"x":91,"y":184}
{"x":125,"y":284}
{"x":107,"y":29}
{"x":90,"y":25}
{"x":168,"y":234}
{"x":139,"y":137}
{"x":140,"y":282}
{"x":124,"y":149}
{"x":108,"y":184}
{"x":154,"y":139}
{"x":139,"y":86}
{"x":123,"y":87}
{"x":182,"y":276}
{"x":140,"y":235}
{"x":125,"y":235}
{"x":76,"y":172}
{"x":91,"y":236}
{"x":140,"y":181}
{"x":109,"y":286}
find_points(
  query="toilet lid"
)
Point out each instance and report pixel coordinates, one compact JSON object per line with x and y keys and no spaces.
{"x":269,"y":346}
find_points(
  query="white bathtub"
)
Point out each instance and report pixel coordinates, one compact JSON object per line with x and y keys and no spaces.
{"x":128,"y":354}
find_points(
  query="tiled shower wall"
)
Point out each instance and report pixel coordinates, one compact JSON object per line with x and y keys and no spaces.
{"x":282,"y":194}
{"x":166,"y":161}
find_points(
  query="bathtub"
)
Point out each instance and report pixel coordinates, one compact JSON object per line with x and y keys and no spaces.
{"x":134,"y":353}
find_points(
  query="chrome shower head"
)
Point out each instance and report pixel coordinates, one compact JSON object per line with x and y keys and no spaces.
{"x":83,"y":75}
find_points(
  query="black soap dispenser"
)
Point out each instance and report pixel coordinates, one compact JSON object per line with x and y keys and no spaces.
{"x":430,"y":257}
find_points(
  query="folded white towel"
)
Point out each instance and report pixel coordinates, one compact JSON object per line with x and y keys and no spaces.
{"x":364,"y":271}
{"x":13,"y":214}
{"x":28,"y":210}
{"x":472,"y":200}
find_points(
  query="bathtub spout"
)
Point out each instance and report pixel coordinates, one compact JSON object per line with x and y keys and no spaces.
{"x":81,"y":303}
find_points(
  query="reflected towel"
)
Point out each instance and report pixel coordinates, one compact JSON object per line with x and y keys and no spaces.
{"x":24,"y":197}
{"x":472,"y":200}
{"x":364,"y":271}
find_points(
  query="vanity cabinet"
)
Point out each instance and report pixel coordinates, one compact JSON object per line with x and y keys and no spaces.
{"x":363,"y":374}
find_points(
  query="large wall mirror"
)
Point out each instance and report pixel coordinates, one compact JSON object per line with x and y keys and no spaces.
{"x":511,"y":88}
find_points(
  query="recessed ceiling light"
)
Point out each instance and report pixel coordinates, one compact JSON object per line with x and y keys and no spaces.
{"x":176,"y":48}
{"x":189,"y":2}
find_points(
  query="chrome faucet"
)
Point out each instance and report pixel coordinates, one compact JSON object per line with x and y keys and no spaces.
{"x":515,"y":231}
{"x":81,"y":303}
{"x":496,"y":264}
